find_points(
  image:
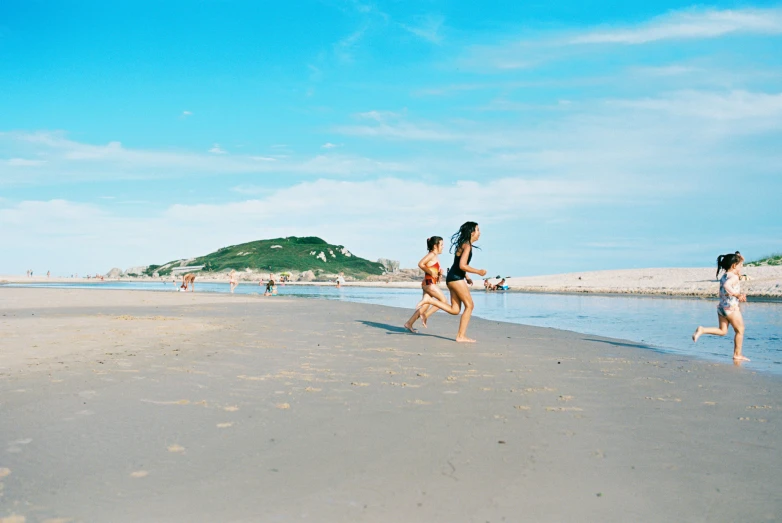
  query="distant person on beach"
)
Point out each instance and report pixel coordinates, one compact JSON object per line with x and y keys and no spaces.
{"x":430,"y":264}
{"x":232,"y":280}
{"x":457,"y":279}
{"x":340,"y":280}
{"x":48,"y":274}
{"x":271,"y":289}
{"x":728,"y":311}
{"x":188,"y":280}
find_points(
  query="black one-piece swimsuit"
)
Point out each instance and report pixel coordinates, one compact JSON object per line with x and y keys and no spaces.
{"x":455,"y":273}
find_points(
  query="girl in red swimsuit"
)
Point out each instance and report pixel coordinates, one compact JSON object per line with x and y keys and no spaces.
{"x":430,"y":264}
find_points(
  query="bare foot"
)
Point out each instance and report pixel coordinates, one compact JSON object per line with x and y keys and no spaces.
{"x":423,"y":321}
{"x":464,"y":339}
{"x":697,"y":334}
{"x":740,"y":358}
{"x":410,"y":328}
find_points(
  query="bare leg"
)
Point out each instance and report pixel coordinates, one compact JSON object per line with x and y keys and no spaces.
{"x":454,"y":308}
{"x":435,"y":292}
{"x":722,"y":330}
{"x":460,"y":291}
{"x":737,"y":322}
{"x":411,"y":321}
{"x":424,"y":311}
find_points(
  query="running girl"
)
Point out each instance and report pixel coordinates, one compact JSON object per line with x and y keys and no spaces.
{"x":430,"y":264}
{"x":457,"y":279}
{"x":728,"y":312}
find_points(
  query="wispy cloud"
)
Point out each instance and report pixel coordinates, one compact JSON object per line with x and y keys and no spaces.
{"x":689,"y":24}
{"x":345,"y":48}
{"x":216,"y":149}
{"x":735,"y":105}
{"x":186,"y":114}
{"x":65,"y":159}
{"x":24,"y":162}
{"x":427,"y":27}
{"x":692,"y":24}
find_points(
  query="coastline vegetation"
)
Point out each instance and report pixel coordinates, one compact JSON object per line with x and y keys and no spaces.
{"x":277,"y":255}
{"x":773,"y":259}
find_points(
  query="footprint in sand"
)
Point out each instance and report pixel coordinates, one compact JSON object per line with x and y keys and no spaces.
{"x":312,"y":389}
{"x":225,"y":425}
{"x":140,"y":473}
{"x":283,"y":406}
{"x":521,"y":407}
{"x":13,"y":518}
{"x":231,"y":408}
{"x":176,"y":448}
{"x":359,"y":384}
{"x":4,"y":472}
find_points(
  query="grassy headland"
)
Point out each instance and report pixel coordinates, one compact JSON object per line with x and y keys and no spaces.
{"x":280,"y":255}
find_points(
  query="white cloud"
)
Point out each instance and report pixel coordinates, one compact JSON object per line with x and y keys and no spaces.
{"x":23,"y":162}
{"x":329,"y":145}
{"x":345,"y":48}
{"x":735,"y":105}
{"x":62,"y":158}
{"x":371,"y":218}
{"x":690,"y":24}
{"x":185,"y":114}
{"x":216,"y":149}
{"x":426,"y":27}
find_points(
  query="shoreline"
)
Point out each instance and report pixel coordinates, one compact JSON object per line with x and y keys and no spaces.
{"x":207,"y":407}
{"x":766,"y":286}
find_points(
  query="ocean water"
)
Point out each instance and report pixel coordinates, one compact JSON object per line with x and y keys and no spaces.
{"x":664,"y":324}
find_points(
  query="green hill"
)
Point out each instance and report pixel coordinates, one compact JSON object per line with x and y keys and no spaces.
{"x":280,"y":255}
{"x":774,"y":259}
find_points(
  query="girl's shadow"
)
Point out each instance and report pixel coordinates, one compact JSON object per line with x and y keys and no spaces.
{"x":394,"y":329}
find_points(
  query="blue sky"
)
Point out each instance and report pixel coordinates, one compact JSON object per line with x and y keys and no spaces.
{"x":581,"y":136}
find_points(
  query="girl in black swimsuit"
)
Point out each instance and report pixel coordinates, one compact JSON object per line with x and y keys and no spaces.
{"x":457,"y":279}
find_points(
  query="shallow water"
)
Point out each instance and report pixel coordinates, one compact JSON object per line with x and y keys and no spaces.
{"x":661,"y":323}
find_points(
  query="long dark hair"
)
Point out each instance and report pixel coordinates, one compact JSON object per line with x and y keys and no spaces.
{"x":463,"y":236}
{"x":432,"y":242}
{"x":726,"y":261}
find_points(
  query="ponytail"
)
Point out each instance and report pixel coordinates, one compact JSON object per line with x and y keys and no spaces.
{"x":726,"y":261}
{"x":432,"y":242}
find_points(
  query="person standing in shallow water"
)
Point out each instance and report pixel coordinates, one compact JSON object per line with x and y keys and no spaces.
{"x":430,"y":264}
{"x":462,"y":244}
{"x":728,"y":311}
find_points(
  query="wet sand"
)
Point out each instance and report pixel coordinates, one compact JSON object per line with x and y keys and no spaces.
{"x":138,"y":406}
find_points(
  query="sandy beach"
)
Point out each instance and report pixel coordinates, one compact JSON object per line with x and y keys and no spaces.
{"x":139,"y":406}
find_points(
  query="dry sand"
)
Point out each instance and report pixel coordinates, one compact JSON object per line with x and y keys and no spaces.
{"x":166,"y":407}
